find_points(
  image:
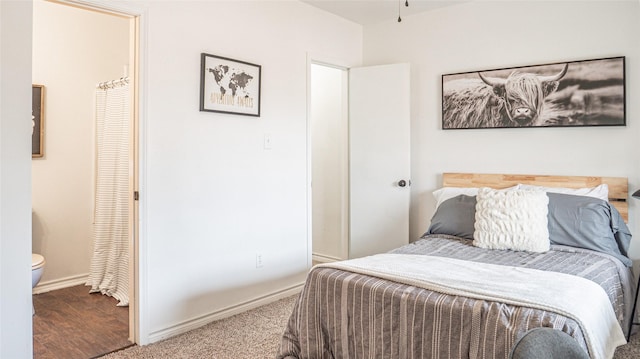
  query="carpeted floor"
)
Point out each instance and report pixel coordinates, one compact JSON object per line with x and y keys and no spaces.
{"x":630,"y":350}
{"x":254,"y":334}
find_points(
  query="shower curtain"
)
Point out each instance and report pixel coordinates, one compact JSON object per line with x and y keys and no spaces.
{"x":109,"y":273}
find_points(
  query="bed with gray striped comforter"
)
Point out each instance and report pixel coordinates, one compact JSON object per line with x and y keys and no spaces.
{"x":340,"y":314}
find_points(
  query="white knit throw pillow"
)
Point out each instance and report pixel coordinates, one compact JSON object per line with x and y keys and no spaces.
{"x":515,"y":220}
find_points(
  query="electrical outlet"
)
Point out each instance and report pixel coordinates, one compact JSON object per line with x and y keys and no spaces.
{"x":259,"y":262}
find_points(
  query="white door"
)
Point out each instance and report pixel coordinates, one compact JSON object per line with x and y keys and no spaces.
{"x":379,"y":158}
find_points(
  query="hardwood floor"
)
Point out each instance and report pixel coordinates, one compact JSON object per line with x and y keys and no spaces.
{"x":73,"y":324}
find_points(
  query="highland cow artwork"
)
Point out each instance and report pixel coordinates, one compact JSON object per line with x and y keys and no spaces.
{"x":576,"y":93}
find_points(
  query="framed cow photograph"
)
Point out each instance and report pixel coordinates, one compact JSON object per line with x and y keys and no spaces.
{"x":573,"y":93}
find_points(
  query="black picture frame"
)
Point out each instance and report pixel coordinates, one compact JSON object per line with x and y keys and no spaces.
{"x":229,"y":86}
{"x":563,"y":94}
{"x":37,"y":121}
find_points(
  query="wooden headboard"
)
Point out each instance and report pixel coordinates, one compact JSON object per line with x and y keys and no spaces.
{"x":618,"y":187}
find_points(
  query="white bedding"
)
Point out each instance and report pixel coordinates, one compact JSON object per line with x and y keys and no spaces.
{"x":575,"y":297}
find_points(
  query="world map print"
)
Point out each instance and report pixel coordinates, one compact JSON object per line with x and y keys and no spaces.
{"x":229,"y":86}
{"x":231,"y":81}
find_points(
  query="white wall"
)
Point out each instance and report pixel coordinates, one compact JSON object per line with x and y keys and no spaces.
{"x":69,"y":63}
{"x":15,"y":179}
{"x":329,"y":162}
{"x":212,"y":196}
{"x":495,"y":34}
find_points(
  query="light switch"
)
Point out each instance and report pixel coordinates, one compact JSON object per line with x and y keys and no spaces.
{"x":267,"y":141}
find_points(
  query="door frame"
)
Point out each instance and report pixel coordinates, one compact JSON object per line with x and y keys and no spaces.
{"x":138,"y":332}
{"x":315,"y":59}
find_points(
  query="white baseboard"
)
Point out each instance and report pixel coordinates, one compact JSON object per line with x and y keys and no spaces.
{"x":223,"y":313}
{"x":321,"y":258}
{"x":61,"y":283}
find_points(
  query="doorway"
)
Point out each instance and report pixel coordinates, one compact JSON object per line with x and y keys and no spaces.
{"x":359,"y":134}
{"x":70,"y":64}
{"x":328,"y":122}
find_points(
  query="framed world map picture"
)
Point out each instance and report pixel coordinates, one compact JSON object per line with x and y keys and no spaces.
{"x":229,"y":86}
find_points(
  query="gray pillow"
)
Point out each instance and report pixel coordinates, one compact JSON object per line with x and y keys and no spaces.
{"x":620,"y":232}
{"x":587,"y":222}
{"x":455,"y":216}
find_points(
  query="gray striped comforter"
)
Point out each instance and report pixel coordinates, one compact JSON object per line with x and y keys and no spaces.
{"x":340,"y":314}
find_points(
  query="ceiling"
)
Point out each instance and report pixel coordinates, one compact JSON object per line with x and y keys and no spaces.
{"x":367,"y":12}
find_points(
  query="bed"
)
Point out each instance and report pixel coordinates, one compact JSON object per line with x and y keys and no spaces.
{"x":503,"y":255}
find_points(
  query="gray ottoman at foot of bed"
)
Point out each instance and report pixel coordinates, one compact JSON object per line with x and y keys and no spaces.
{"x":547,"y":343}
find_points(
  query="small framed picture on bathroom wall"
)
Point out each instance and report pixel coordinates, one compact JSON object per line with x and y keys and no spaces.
{"x":37,"y":121}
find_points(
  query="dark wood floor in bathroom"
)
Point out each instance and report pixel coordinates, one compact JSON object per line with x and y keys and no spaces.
{"x":70,"y":323}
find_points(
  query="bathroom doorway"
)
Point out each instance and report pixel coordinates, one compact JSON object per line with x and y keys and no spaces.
{"x":76,"y":47}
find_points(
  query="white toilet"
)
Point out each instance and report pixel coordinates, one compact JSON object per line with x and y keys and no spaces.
{"x":37,"y":267}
